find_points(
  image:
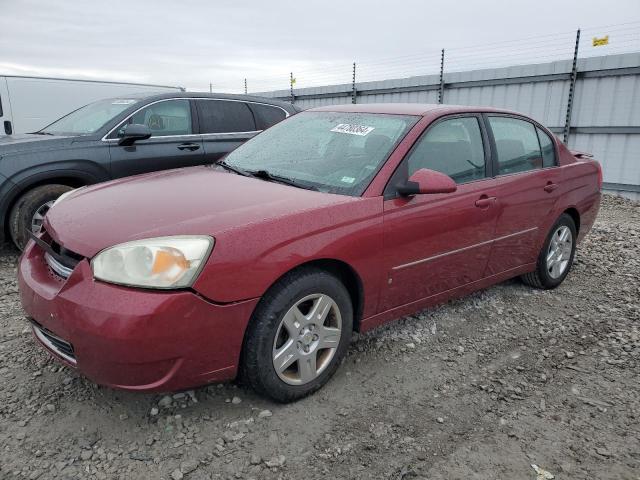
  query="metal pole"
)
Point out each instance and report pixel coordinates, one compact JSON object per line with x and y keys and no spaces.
{"x":572,"y":87}
{"x":245,"y":86}
{"x":293,"y":99}
{"x":353,"y":85}
{"x":210,"y":88}
{"x":441,"y":91}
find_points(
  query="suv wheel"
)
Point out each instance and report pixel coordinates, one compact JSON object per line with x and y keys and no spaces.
{"x":29,"y":211}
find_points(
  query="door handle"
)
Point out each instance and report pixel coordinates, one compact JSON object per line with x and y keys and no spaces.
{"x":550,"y":187}
{"x":189,"y":146}
{"x":485,"y":202}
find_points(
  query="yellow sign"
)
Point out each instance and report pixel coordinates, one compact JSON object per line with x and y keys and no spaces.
{"x":293,"y":81}
{"x":598,"y":42}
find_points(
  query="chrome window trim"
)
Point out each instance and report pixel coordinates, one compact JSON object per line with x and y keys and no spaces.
{"x":440,"y":255}
{"x":57,"y":267}
{"x":105,"y":139}
{"x":43,"y":338}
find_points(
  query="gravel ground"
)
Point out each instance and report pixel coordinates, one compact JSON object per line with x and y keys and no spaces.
{"x":482,"y":387}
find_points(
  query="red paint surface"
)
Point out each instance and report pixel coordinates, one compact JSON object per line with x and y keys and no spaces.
{"x":408,"y":253}
{"x":430,"y":181}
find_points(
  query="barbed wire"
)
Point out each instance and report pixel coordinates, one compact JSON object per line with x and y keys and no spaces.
{"x":558,"y":46}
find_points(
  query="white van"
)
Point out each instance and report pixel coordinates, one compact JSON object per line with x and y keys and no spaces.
{"x":28,"y":104}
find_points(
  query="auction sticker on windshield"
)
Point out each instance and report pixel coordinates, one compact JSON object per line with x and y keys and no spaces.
{"x":351,"y":129}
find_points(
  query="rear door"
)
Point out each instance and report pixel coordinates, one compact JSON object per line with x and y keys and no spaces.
{"x":174,"y":142}
{"x":527,"y":178}
{"x":434,"y":243}
{"x":6,"y":125}
{"x":224,"y":125}
{"x":267,"y":115}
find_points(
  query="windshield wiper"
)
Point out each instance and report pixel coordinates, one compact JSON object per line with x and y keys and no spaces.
{"x":41,"y":133}
{"x":231,"y":168}
{"x":265,"y":175}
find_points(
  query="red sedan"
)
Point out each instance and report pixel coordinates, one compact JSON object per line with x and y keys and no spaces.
{"x":338,"y":219}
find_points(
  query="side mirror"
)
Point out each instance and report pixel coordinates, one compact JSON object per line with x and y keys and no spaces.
{"x":133,"y":133}
{"x":425,"y":181}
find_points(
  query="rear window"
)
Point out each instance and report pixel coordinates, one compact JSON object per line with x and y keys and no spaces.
{"x":548,"y":149}
{"x":517,"y":145}
{"x":223,"y":116}
{"x":266,"y":115}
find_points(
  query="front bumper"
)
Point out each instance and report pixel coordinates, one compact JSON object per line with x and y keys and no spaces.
{"x":130,"y":338}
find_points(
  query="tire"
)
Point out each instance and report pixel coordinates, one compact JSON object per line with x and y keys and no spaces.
{"x":548,"y":275}
{"x":277,"y":333}
{"x":34,"y":201}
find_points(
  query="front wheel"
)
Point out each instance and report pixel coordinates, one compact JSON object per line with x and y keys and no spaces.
{"x":29,"y":211}
{"x":556,"y":257}
{"x":298,"y":335}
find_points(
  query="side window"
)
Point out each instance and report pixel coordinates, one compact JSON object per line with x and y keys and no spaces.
{"x":170,"y":117}
{"x":221,"y":116}
{"x":0,"y":106}
{"x":517,"y":145}
{"x":453,"y":147}
{"x":266,"y":116}
{"x":548,"y":149}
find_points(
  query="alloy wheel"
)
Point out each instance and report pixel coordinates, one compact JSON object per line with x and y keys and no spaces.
{"x":559,"y":253}
{"x":38,"y":217}
{"x":307,"y":339}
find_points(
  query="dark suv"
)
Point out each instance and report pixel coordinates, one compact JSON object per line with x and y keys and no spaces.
{"x":120,"y":137}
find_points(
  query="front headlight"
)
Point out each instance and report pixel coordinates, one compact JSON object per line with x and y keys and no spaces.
{"x":163,"y":262}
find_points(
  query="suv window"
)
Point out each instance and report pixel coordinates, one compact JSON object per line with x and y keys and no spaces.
{"x":517,"y":145}
{"x":548,"y":149}
{"x":453,"y":147}
{"x":266,"y":115}
{"x":223,"y":116}
{"x":169,"y":117}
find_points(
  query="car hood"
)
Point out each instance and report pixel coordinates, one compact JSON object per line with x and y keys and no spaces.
{"x":29,"y":142}
{"x":189,"y":201}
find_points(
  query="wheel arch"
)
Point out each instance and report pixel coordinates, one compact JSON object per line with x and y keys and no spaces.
{"x":345,"y":273}
{"x":351,"y":280}
{"x":70,"y":179}
{"x":575,"y":216}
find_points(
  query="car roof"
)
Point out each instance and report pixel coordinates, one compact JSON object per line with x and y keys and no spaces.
{"x":153,"y":96}
{"x":406,"y":108}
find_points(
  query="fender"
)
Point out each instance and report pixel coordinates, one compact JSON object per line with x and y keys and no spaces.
{"x":356,"y":242}
{"x":12,"y":188}
{"x":579,"y":191}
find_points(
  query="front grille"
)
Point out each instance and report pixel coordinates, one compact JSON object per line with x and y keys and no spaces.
{"x":58,"y":267}
{"x":54,"y":343}
{"x":60,"y":260}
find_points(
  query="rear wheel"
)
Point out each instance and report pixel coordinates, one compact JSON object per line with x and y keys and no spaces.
{"x":298,"y":335}
{"x":556,"y":257}
{"x":29,"y":211}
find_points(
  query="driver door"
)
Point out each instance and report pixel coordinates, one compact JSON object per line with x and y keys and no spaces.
{"x":435,"y":243}
{"x":173,"y":143}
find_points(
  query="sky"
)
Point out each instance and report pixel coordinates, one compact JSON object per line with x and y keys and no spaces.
{"x":196,"y":43}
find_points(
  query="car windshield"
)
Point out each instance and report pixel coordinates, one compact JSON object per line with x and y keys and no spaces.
{"x":88,"y":119}
{"x":334,"y":152}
